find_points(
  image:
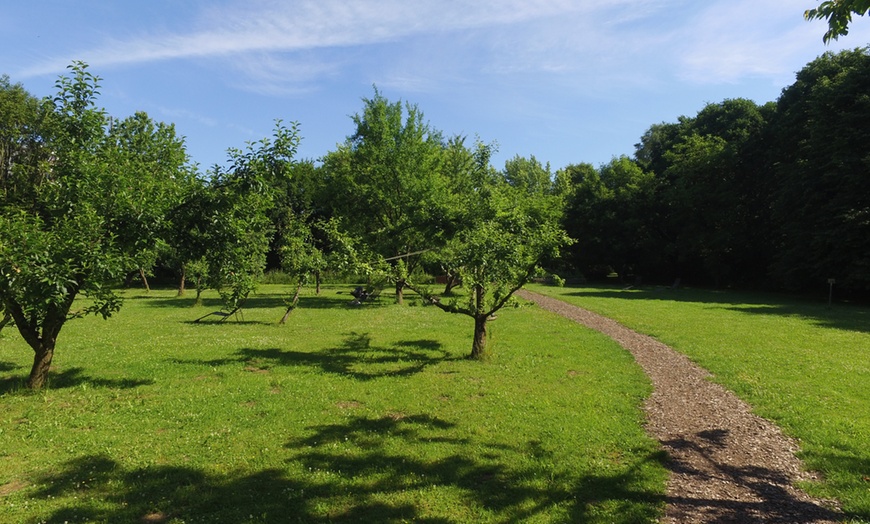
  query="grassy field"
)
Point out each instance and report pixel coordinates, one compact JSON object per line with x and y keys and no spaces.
{"x":799,"y":363}
{"x":343,"y":414}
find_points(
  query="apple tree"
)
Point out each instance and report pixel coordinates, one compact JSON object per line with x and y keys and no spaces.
{"x":65,"y":206}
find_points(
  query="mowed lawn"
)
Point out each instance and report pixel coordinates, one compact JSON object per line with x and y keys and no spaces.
{"x":365,"y":414}
{"x":797,"y":362}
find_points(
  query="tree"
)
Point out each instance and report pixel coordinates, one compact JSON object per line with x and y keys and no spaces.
{"x":301,"y":256}
{"x":186,"y":238}
{"x":20,"y":139}
{"x":509,"y":228}
{"x":62,"y":216}
{"x":303,"y":218}
{"x":742,"y":197}
{"x":20,"y":150}
{"x":838,"y":13}
{"x":466,"y":170}
{"x":155,"y":163}
{"x":820,"y":205}
{"x":701,"y":198}
{"x":709,"y":213}
{"x":238,"y":206}
{"x":655,"y":142}
{"x":387,"y":183}
{"x":610,"y":213}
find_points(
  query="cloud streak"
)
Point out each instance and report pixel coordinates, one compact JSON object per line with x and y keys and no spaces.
{"x":280,"y":47}
{"x":729,"y":41}
{"x":270,"y":26}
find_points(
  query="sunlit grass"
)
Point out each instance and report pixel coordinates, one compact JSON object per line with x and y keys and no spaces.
{"x":799,"y":363}
{"x":349,"y":414}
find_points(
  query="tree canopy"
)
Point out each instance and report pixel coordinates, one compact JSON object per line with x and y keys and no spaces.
{"x":507,"y":226}
{"x":838,"y":13}
{"x":387,"y":184}
{"x":741,"y":193}
{"x":820,"y":200}
{"x":75,"y":209}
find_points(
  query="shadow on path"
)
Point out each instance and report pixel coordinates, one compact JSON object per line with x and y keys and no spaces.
{"x":745,"y":494}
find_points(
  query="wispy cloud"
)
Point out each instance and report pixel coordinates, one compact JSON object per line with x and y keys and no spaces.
{"x":175,"y":113}
{"x":280,"y":47}
{"x":278,"y":74}
{"x":270,"y":26}
{"x":729,"y":41}
{"x":303,"y":25}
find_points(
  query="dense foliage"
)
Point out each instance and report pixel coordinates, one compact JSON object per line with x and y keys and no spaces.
{"x":507,"y":224}
{"x":387,"y":184}
{"x":81,"y":202}
{"x":838,"y":14}
{"x":413,"y":198}
{"x":747,"y":194}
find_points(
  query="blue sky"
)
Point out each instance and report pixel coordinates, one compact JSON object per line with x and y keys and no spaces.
{"x":565,"y":81}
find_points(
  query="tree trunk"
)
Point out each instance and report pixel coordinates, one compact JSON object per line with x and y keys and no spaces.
{"x":400,"y":286}
{"x":181,"y":283}
{"x":317,"y":282}
{"x":452,"y":281}
{"x":478,"y":345}
{"x":198,"y":301}
{"x":144,"y":279}
{"x":292,"y":305}
{"x":42,"y":336}
{"x":42,"y":355}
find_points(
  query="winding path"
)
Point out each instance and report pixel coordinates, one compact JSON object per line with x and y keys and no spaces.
{"x":727,"y":464}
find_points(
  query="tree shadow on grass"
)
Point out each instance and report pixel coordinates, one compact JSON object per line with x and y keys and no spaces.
{"x":845,"y":317}
{"x":853,"y":475}
{"x":397,"y":468}
{"x":841,"y":316}
{"x":73,"y":377}
{"x":401,"y":453}
{"x":98,"y":489}
{"x":356,"y":357}
{"x":12,"y":384}
{"x":330,"y":300}
{"x":9,"y":366}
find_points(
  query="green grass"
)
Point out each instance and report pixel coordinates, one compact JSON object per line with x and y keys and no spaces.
{"x":342,"y":415}
{"x":798,"y":363}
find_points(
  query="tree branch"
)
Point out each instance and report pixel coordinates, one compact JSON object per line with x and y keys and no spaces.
{"x":436,"y":301}
{"x":498,"y":305}
{"x":29,"y":331}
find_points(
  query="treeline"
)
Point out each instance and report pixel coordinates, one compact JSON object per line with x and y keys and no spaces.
{"x":774,"y":195}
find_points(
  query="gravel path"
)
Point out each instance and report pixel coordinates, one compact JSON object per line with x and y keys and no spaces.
{"x":727,"y":465}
